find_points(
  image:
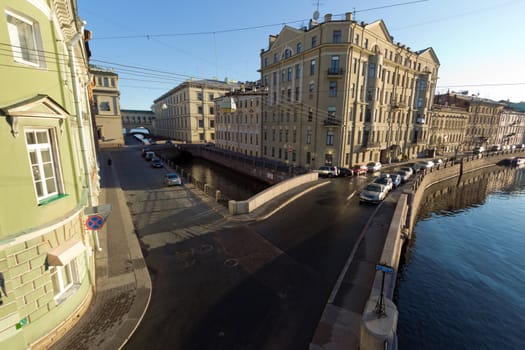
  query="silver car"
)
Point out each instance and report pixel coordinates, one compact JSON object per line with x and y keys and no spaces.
{"x":172,"y":179}
{"x":373,"y":193}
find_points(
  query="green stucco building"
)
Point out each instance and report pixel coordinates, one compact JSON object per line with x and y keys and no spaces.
{"x":49,"y":179}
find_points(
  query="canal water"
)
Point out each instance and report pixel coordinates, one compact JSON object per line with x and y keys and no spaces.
{"x":232,"y":184}
{"x":462,"y":282}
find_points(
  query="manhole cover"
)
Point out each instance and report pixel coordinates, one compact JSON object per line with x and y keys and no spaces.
{"x":206,"y":248}
{"x":231,"y":262}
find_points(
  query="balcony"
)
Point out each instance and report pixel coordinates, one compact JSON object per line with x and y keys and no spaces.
{"x":398,"y":105}
{"x":371,"y":145}
{"x":335,"y":72}
{"x":331,"y":121}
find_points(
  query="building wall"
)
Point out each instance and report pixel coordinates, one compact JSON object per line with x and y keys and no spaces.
{"x":186,"y":113}
{"x":136,"y":118}
{"x":239,"y":130}
{"x":55,"y":175}
{"x":108,"y":117}
{"x":447,"y":128}
{"x":353,"y":93}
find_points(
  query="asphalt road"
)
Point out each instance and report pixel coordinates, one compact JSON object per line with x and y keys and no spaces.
{"x":222,"y":284}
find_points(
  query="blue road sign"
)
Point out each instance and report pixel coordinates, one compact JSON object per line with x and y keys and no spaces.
{"x":94,"y":222}
{"x":384,"y":268}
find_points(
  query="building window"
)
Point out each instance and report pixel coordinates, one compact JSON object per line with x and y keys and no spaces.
{"x":287,"y":53}
{"x":106,"y":82}
{"x":199,"y":96}
{"x":266,"y":61}
{"x":275,"y":57}
{"x":299,"y":48}
{"x":311,"y":87}
{"x":334,"y":65}
{"x":40,"y":147}
{"x":104,"y":106}
{"x":211,"y":110}
{"x":332,"y":89}
{"x":283,"y":75}
{"x":372,"y":70}
{"x":331,"y":112}
{"x":290,"y":74}
{"x":308,"y":157}
{"x":26,"y":41}
{"x":314,"y":41}
{"x":199,"y":110}
{"x":366,"y":44}
{"x":297,"y":71}
{"x":64,"y":278}
{"x":308,"y":137}
{"x":210,"y":97}
{"x":356,"y":41}
{"x":312,"y":67}
{"x":336,"y":37}
{"x":310,"y":115}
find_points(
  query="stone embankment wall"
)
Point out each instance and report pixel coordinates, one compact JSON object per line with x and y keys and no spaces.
{"x":400,"y":229}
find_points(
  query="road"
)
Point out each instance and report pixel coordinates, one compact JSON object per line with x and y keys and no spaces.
{"x":223,"y":284}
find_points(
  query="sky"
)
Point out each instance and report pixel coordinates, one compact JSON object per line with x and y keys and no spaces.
{"x":155,"y":45}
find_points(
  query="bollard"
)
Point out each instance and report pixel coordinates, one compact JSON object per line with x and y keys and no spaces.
{"x":206,"y":188}
{"x":217,"y":195}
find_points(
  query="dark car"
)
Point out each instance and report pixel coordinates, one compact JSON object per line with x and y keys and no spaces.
{"x":157,"y":163}
{"x":345,"y":172}
{"x":145,"y":150}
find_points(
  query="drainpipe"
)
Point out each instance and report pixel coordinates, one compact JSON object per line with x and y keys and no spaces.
{"x":78,"y":109}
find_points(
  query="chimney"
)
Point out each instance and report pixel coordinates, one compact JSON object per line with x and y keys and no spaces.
{"x":348,"y":16}
{"x":328,"y":17}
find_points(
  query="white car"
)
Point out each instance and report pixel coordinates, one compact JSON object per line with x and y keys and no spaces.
{"x":373,"y":193}
{"x":328,"y":171}
{"x":374,"y":166}
{"x":172,"y":179}
{"x":385,"y":181}
{"x":423,"y":165}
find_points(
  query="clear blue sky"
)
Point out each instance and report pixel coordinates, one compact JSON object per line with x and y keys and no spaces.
{"x":480,"y":43}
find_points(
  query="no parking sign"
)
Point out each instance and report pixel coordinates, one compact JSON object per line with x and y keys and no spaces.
{"x":95,"y":222}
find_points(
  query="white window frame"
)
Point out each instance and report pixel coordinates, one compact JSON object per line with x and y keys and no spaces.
{"x":26,"y":43}
{"x":65,"y":278}
{"x":50,"y":167}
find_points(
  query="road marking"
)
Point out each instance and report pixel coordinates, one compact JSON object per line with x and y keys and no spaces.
{"x":350,"y":196}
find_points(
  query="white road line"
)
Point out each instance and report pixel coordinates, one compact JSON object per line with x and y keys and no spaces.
{"x":350,"y":196}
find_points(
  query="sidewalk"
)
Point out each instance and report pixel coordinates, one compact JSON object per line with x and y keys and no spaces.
{"x":123,"y":285}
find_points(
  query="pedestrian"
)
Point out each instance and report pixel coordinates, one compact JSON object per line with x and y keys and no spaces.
{"x":2,"y":287}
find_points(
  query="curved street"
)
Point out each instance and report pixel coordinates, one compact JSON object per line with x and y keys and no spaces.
{"x":223,"y":283}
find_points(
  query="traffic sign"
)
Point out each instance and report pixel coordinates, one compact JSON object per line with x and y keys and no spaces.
{"x":94,"y":222}
{"x":384,"y":268}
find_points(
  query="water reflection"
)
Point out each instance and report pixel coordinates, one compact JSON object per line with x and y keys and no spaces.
{"x":233,"y":185}
{"x":452,"y":196}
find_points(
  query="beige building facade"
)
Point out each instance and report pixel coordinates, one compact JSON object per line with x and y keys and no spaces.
{"x":106,"y":106}
{"x":447,"y":127}
{"x":137,"y":118}
{"x":186,"y":113}
{"x":350,"y":93}
{"x":484,"y":118}
{"x":238,"y":121}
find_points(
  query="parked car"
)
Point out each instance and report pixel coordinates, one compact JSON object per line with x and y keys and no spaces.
{"x":345,"y":172}
{"x":157,"y":162}
{"x":396,"y":179}
{"x":404,"y":175}
{"x":373,"y":193}
{"x":423,"y":165}
{"x":145,"y":150}
{"x":385,"y":181}
{"x":149,"y":155}
{"x":374,"y":166}
{"x":520,"y":146}
{"x":328,"y":171}
{"x":437,"y":161}
{"x":409,"y":170}
{"x":360,"y":169}
{"x":478,"y":150}
{"x":172,"y":179}
{"x":495,"y":148}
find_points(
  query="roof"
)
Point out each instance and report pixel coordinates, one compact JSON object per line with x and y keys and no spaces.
{"x":210,"y":83}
